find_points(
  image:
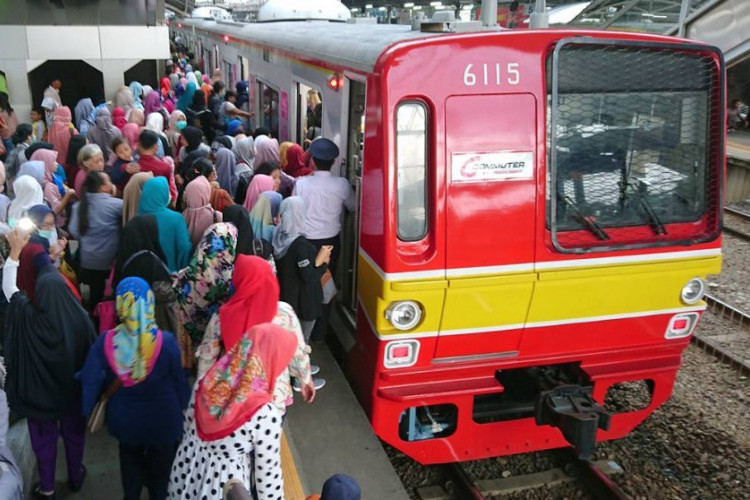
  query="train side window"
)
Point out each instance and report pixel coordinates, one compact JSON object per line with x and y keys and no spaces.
{"x":411,"y":170}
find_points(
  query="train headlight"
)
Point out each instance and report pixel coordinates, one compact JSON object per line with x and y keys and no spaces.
{"x":404,"y":315}
{"x":693,"y":291}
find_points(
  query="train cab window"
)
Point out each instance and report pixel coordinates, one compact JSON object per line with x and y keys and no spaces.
{"x":630,"y":144}
{"x":411,"y":170}
{"x":269,"y":108}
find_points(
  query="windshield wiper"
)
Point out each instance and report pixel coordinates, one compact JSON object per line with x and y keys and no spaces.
{"x":588,"y":221}
{"x":654,"y":221}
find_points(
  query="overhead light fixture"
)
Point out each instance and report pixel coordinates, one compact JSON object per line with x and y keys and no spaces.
{"x":436,"y":4}
{"x":408,"y":5}
{"x":368,"y":6}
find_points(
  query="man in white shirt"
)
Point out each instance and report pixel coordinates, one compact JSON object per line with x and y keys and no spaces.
{"x":51,"y":100}
{"x":326,"y":196}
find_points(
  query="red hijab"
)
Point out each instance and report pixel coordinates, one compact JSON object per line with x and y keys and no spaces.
{"x":33,"y":259}
{"x":296,"y":165}
{"x":118,"y":118}
{"x":241,"y":382}
{"x":255,"y":299}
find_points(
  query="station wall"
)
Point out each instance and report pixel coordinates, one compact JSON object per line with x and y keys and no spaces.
{"x":113,"y":50}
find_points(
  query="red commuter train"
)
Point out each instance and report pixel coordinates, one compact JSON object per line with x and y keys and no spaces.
{"x":537,"y":212}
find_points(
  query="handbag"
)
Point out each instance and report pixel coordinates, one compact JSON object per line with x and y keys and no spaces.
{"x":329,"y":287}
{"x":106,"y":314}
{"x":98,"y":415}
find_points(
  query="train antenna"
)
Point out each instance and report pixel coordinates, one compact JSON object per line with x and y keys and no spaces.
{"x":539,"y":18}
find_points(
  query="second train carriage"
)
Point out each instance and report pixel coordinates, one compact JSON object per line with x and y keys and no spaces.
{"x":536,"y":213}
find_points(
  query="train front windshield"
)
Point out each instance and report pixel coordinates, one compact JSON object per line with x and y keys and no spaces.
{"x":631,"y":140}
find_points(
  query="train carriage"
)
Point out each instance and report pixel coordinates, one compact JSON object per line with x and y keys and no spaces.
{"x":537,"y":211}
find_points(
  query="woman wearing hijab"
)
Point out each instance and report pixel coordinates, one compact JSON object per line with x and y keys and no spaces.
{"x":22,"y":139}
{"x":298,"y":265}
{"x":131,"y":195}
{"x":71,"y":159}
{"x":257,"y":291}
{"x":155,"y":123}
{"x":199,"y":214}
{"x":295,"y":162}
{"x":60,"y":132}
{"x":145,"y":412}
{"x":266,"y":149}
{"x":56,"y":194}
{"x":258,"y":185}
{"x":47,"y":336}
{"x":173,"y":234}
{"x":184,"y":102}
{"x":247,"y":243}
{"x":265,"y":214}
{"x":192,"y":138}
{"x":217,"y":445}
{"x":131,"y":131}
{"x":137,"y":116}
{"x":226,"y":171}
{"x":28,"y":193}
{"x":177,"y":123}
{"x":199,"y":115}
{"x":33,"y":169}
{"x":124,"y":99}
{"x":46,"y":232}
{"x":84,"y":115}
{"x":152,"y":104}
{"x":203,"y":285}
{"x":95,"y":222}
{"x":118,"y":118}
{"x":104,"y":132}
{"x":136,"y":89}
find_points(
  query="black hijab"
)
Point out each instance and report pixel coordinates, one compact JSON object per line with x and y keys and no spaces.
{"x":193,"y":136}
{"x":140,"y":233}
{"x":36,"y":146}
{"x":247,"y":244}
{"x":45,"y":346}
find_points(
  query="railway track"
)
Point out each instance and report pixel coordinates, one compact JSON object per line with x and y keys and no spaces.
{"x":716,"y":348}
{"x":734,"y":230}
{"x":593,"y":477}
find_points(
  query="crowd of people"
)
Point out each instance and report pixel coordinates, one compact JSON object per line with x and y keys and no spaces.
{"x":201,"y":254}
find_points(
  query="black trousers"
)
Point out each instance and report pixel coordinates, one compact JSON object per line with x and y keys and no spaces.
{"x":321,"y":325}
{"x":146,"y":465}
{"x":97,"y":282}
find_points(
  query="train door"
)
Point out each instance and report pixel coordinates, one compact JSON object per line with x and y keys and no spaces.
{"x":352,"y":170}
{"x":490,"y":219}
{"x":268,"y":112}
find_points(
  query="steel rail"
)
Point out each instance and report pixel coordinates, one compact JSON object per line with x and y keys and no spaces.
{"x":597,"y":483}
{"x":715,"y":348}
{"x":734,"y":231}
{"x":465,"y":488}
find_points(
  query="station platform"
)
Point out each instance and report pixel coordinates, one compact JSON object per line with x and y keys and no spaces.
{"x":738,"y":145}
{"x":331,"y":435}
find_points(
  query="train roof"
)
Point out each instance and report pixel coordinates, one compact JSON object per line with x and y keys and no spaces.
{"x":356,"y":46}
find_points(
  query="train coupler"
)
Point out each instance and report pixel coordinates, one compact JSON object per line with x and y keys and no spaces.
{"x":578,"y":416}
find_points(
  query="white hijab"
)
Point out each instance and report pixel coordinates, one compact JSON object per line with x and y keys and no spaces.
{"x":28,"y":193}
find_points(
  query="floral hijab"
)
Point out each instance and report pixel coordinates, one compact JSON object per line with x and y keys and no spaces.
{"x":203,"y":286}
{"x":242,"y":381}
{"x":133,"y":347}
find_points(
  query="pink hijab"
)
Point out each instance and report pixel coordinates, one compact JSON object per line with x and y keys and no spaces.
{"x":51,"y":191}
{"x":60,"y":132}
{"x":199,"y":215}
{"x":266,"y":150}
{"x":118,"y":118}
{"x":136,"y":116}
{"x":131,"y":131}
{"x":259,"y":184}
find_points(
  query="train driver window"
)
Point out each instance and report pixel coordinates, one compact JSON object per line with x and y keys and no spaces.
{"x":411,"y":170}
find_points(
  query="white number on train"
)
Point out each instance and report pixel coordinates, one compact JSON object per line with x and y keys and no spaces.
{"x":490,"y":74}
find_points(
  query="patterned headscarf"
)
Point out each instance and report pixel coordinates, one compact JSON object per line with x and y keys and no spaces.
{"x":203,"y":286}
{"x":133,"y":346}
{"x":242,"y":381}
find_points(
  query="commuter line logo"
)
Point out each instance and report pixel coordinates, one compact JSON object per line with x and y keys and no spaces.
{"x":494,"y":166}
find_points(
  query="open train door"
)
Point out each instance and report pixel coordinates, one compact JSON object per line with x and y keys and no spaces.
{"x":490,"y":143}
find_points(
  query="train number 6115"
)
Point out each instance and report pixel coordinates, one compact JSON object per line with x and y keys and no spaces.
{"x":492,"y":74}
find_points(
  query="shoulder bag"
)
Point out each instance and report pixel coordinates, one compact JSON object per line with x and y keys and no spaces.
{"x":98,"y":415}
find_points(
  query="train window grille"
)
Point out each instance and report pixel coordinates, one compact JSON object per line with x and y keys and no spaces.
{"x":411,"y":170}
{"x":634,"y":141}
